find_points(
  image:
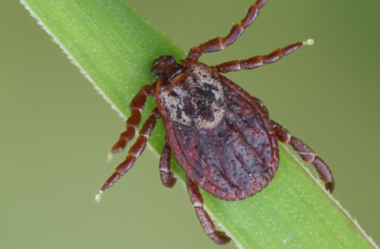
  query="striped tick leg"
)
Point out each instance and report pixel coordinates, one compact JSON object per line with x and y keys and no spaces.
{"x":205,"y":220}
{"x":259,"y":61}
{"x":166,"y":175}
{"x":133,"y":153}
{"x":220,"y":43}
{"x":306,"y":154}
{"x":136,"y":106}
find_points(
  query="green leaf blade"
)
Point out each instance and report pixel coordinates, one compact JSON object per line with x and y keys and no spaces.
{"x":114,"y":47}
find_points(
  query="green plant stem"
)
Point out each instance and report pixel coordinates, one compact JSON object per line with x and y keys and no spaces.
{"x":114,"y":47}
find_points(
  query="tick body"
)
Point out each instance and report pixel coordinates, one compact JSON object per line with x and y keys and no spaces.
{"x":221,"y":136}
{"x":226,"y":143}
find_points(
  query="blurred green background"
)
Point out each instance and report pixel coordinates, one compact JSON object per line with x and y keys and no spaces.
{"x":56,"y":130}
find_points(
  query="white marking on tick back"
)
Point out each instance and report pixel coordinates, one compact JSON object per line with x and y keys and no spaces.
{"x":188,"y":101}
{"x":308,"y":42}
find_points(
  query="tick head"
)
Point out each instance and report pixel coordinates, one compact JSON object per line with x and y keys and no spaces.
{"x":165,"y":68}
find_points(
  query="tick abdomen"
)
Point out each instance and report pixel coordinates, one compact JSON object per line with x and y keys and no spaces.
{"x":234,"y":159}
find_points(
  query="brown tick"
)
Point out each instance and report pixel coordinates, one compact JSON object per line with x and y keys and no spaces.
{"x":221,"y":136}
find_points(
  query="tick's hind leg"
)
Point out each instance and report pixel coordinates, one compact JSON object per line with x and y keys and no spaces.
{"x":133,"y":153}
{"x":166,"y":175}
{"x":136,"y":106}
{"x":205,"y":220}
{"x":220,"y":43}
{"x":259,"y":61}
{"x":306,"y":154}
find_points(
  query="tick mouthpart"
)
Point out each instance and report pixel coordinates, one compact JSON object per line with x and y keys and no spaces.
{"x":308,"y":42}
{"x":166,"y":68}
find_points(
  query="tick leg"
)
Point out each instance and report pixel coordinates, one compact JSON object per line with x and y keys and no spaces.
{"x":166,"y":175}
{"x":306,"y":154}
{"x":133,"y":153}
{"x":136,"y":106}
{"x":259,"y":61}
{"x":220,"y":43}
{"x":205,"y":220}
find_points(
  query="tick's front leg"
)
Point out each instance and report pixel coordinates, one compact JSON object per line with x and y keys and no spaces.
{"x":258,"y":60}
{"x":133,"y":153}
{"x":220,"y":43}
{"x":136,"y":106}
{"x":306,"y":154}
{"x":205,"y":220}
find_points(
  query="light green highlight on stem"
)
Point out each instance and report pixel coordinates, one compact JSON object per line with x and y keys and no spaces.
{"x":114,"y":47}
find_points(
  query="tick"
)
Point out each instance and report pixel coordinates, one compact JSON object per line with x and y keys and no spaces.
{"x":220,"y":135}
